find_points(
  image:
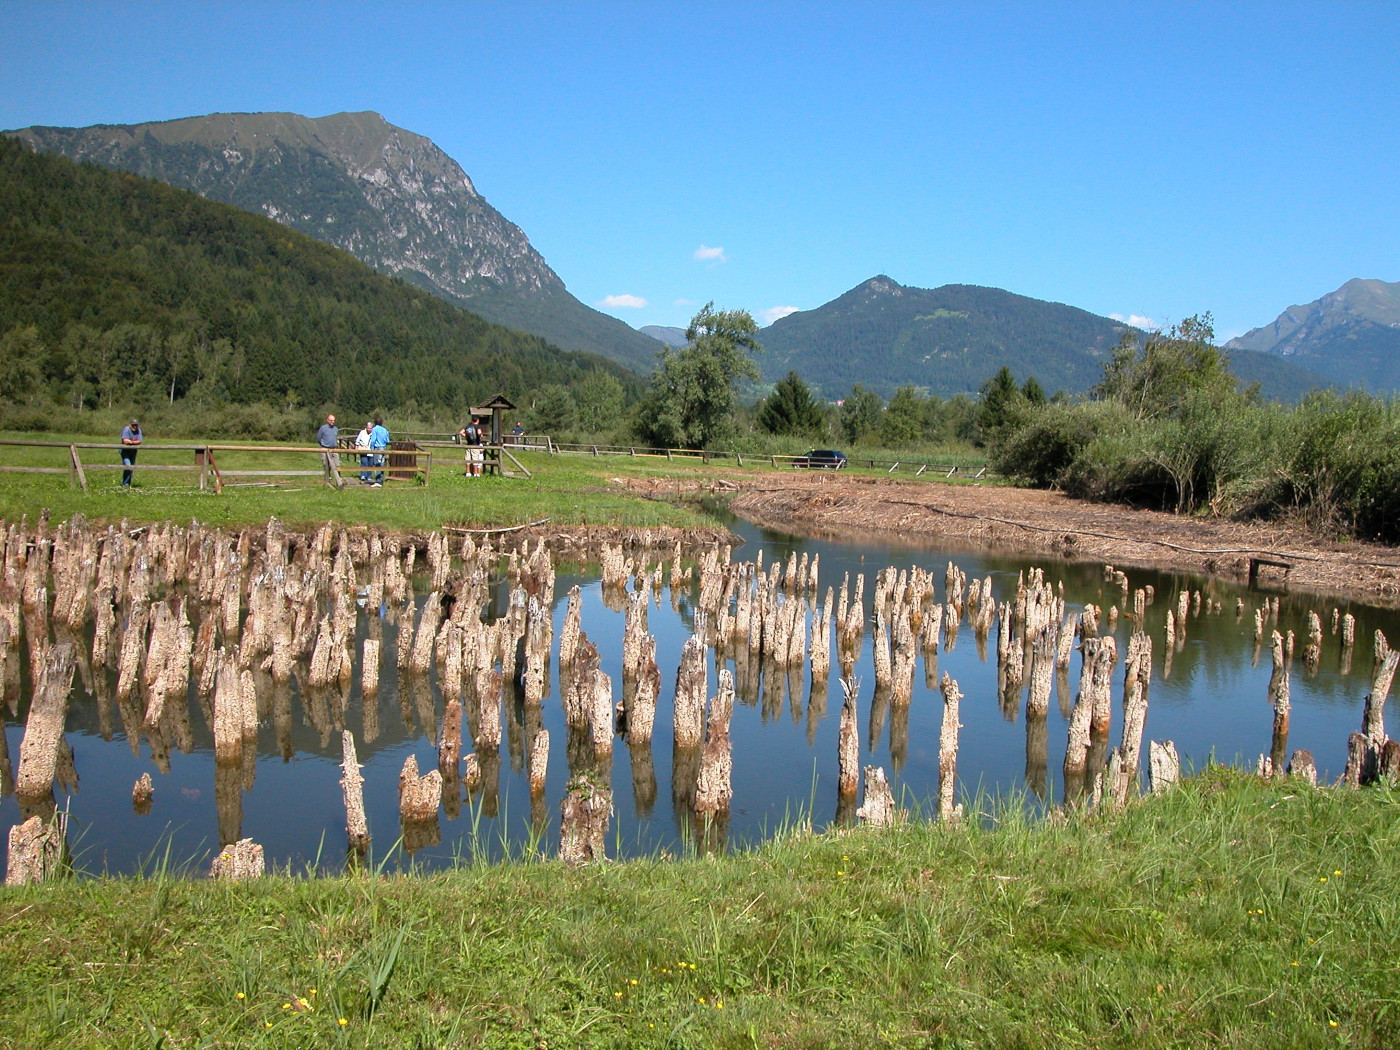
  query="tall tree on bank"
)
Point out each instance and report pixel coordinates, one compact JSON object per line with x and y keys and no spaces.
{"x":861,"y":413}
{"x":1155,"y":378}
{"x":791,"y":409}
{"x":694,"y":390}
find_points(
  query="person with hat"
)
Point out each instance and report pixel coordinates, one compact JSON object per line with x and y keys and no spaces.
{"x":131,"y":439}
{"x":328,"y":437}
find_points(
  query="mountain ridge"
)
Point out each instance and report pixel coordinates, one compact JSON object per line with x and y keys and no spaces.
{"x":388,"y":195}
{"x":1351,"y":334}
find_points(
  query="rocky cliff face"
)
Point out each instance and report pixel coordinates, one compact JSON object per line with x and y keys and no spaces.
{"x":389,"y":196}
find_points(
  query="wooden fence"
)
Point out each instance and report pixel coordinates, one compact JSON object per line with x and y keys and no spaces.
{"x":915,"y":467}
{"x":212,"y":466}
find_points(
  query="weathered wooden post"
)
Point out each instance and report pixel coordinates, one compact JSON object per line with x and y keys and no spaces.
{"x":352,"y":787}
{"x":878,"y":809}
{"x":713,"y":788}
{"x":949,"y":812}
{"x":238,"y":861}
{"x":583,"y":823}
{"x":37,"y":849}
{"x":43,"y":730}
{"x":692,"y":684}
{"x":1164,"y":765}
{"x":419,"y":796}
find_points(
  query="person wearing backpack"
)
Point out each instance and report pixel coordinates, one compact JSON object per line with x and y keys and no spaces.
{"x":471,"y":436}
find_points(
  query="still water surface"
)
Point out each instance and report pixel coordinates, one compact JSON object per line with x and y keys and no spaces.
{"x":1213,"y":703}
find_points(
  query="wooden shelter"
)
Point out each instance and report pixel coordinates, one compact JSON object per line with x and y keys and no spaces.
{"x":494,"y":451}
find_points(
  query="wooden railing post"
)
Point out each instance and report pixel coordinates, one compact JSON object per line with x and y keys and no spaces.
{"x":77,"y":467}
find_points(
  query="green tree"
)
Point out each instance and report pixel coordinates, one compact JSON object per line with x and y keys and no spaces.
{"x":791,"y":409}
{"x":903,"y":422}
{"x":861,"y":413}
{"x":1000,"y":404}
{"x":21,"y":350}
{"x":1033,"y":392}
{"x":1156,"y":377}
{"x":599,"y":399}
{"x":554,"y":410}
{"x":694,"y":390}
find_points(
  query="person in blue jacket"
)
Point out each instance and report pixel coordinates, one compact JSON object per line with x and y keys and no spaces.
{"x":378,"y":442}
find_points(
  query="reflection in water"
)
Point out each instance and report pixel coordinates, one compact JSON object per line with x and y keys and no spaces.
{"x":284,"y":740}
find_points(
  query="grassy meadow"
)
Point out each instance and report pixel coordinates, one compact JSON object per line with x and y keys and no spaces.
{"x":1230,"y":912}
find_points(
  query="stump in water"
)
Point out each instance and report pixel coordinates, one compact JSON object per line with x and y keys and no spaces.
{"x":36,"y":851}
{"x":419,"y":796}
{"x":1164,"y":765}
{"x":641,"y":715}
{"x":583,"y":822}
{"x":141,"y":794}
{"x":848,"y":741}
{"x":878,"y":808}
{"x":1373,"y":718}
{"x":352,"y":786}
{"x":1125,"y":759}
{"x":369,"y":669}
{"x":713,"y":786}
{"x":43,"y":731}
{"x":948,"y":810}
{"x":539,"y":762}
{"x":1279,"y":697}
{"x":241,"y":860}
{"x":692,"y":684}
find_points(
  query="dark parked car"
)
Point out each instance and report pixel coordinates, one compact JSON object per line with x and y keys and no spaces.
{"x":821,"y":459}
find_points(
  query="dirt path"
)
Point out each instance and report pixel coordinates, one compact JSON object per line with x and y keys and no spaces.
{"x":1048,"y":523}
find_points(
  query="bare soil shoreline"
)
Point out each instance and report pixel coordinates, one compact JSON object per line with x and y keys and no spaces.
{"x":1035,"y":522}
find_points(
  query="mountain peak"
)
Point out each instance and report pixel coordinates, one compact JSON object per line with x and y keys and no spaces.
{"x":881,"y":285}
{"x":1351,"y":334}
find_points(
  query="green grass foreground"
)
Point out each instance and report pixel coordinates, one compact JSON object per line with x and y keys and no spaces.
{"x":1231,"y":912}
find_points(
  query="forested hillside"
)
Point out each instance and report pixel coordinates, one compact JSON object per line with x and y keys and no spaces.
{"x":388,"y":196}
{"x":115,"y":288}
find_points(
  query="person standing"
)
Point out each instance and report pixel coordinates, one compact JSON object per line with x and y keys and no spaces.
{"x":378,"y":442}
{"x":362,"y":447}
{"x":131,"y":440}
{"x":328,"y":437}
{"x":471,"y":437}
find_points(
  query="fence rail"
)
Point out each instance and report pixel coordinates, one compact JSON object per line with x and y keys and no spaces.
{"x":916,"y":467}
{"x":402,"y":461}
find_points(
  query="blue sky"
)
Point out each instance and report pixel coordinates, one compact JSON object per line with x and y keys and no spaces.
{"x":1147,"y":160}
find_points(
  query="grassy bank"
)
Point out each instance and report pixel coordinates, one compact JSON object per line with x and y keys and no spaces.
{"x":568,"y":490}
{"x":1230,"y":912}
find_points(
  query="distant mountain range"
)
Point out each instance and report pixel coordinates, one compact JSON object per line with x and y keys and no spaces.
{"x":949,"y":340}
{"x":1352,"y":336}
{"x":386,"y":195}
{"x":667,"y":334}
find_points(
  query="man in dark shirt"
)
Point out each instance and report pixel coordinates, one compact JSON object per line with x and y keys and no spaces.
{"x":131,"y":439}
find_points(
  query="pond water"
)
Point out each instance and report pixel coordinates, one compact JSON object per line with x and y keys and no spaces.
{"x":1213,"y":704}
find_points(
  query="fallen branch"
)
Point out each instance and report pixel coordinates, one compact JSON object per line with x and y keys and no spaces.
{"x":483,"y":532}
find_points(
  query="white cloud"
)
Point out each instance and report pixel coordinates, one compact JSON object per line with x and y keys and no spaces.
{"x":623,"y":302}
{"x":1136,"y":320}
{"x":707,"y":254}
{"x":686,"y":302}
{"x":774,"y":312}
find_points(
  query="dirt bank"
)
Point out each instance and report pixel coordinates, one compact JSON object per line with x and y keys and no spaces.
{"x":1048,"y":523}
